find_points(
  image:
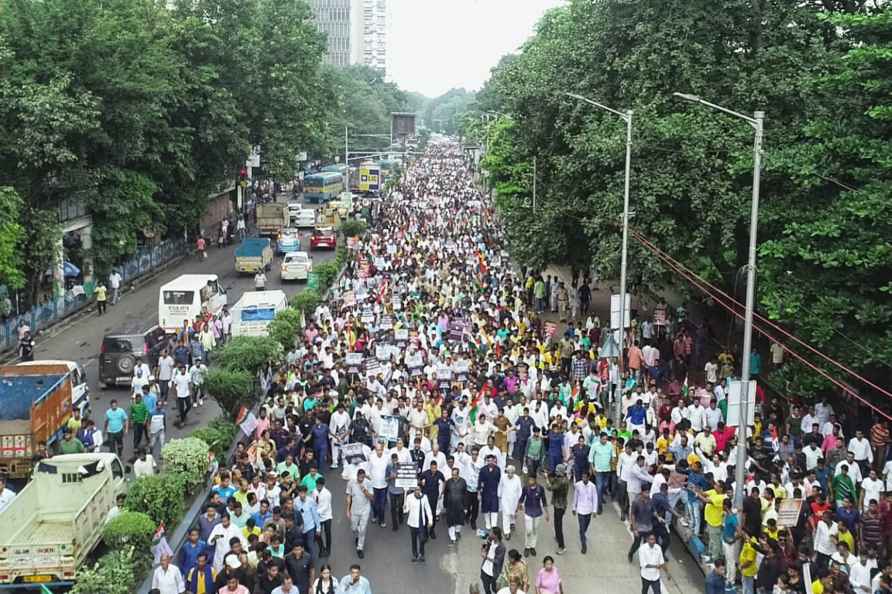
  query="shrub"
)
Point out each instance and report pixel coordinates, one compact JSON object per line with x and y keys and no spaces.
{"x":284,"y":328}
{"x":230,"y":389}
{"x":353,"y":227}
{"x":218,"y":435}
{"x":248,"y":353}
{"x":188,"y":457}
{"x":327,"y":272}
{"x":161,"y":496}
{"x":114,"y":573}
{"x":306,"y":301}
{"x":341,"y":256}
{"x":130,"y":529}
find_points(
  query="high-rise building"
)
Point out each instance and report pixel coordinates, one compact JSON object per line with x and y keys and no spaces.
{"x":356,"y":31}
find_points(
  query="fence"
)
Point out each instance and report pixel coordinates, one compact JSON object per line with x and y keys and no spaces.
{"x":44,"y":315}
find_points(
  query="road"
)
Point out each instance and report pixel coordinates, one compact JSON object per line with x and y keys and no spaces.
{"x":81,"y":340}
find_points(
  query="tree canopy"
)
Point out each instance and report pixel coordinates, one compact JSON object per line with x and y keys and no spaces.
{"x":820,"y":71}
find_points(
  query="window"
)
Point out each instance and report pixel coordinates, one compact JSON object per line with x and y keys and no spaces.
{"x":117,"y":469}
{"x":179,"y":297}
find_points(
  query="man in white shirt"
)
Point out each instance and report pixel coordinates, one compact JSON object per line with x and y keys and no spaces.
{"x":339,"y":431}
{"x":144,"y":465}
{"x":510,"y":489}
{"x":871,"y":489}
{"x":220,"y":538}
{"x":860,"y":446}
{"x":377,"y":466}
{"x":114,"y":283}
{"x":650,"y":557}
{"x":322,"y":496}
{"x":812,"y":454}
{"x":167,"y":578}
{"x":419,"y":518}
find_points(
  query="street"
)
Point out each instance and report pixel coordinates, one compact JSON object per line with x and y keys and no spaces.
{"x":81,"y":340}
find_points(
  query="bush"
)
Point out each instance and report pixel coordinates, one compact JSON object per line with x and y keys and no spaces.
{"x":284,"y":328}
{"x":248,"y":353}
{"x":353,"y":227}
{"x":306,"y":301}
{"x":130,"y":529}
{"x":161,"y":496}
{"x":188,"y":457}
{"x":230,"y":389}
{"x":341,"y":256}
{"x":218,"y":435}
{"x":327,"y":272}
{"x":114,"y":573}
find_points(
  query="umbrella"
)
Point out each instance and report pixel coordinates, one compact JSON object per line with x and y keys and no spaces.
{"x":70,"y":270}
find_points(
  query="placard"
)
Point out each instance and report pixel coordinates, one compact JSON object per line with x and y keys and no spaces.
{"x":414,"y":360}
{"x":461,"y":368}
{"x":353,"y":362}
{"x":249,"y":424}
{"x":389,"y":428}
{"x":354,"y":453}
{"x":386,"y":323}
{"x":788,"y":512}
{"x":406,"y":476}
{"x":372,"y":367}
{"x":457,"y":329}
{"x":368,"y":315}
{"x":401,"y":335}
{"x":396,"y":303}
{"x":382,"y":352}
{"x":349,"y":298}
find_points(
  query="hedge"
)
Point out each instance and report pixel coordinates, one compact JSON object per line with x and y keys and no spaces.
{"x":283,"y":329}
{"x":130,"y":530}
{"x":114,"y":573}
{"x":219,"y":435}
{"x":353,"y":227}
{"x":247,"y":353}
{"x":306,"y":301}
{"x":230,"y":389}
{"x":161,"y":496}
{"x":187,"y":457}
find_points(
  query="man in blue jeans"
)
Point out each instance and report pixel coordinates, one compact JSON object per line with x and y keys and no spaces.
{"x":115,"y":427}
{"x":305,"y":508}
{"x":601,"y":456}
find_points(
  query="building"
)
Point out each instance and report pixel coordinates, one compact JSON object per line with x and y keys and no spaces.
{"x":356,"y":31}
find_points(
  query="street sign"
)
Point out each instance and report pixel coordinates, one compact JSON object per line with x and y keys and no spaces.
{"x":312,"y":280}
{"x":614,"y":312}
{"x":735,"y":399}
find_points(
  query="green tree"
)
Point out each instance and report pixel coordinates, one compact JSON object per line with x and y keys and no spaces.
{"x":11,"y":235}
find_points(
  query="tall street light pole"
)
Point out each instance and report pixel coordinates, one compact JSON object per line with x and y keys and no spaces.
{"x":757,"y":122}
{"x":626,"y":116}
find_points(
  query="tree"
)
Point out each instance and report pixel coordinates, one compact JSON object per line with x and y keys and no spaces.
{"x":691,"y":167}
{"x":11,"y":235}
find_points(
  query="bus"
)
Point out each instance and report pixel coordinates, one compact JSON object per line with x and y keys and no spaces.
{"x":188,"y":296}
{"x":369,"y":178}
{"x":323,"y":187}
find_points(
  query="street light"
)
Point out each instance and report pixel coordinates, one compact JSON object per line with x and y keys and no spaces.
{"x":626,"y":116}
{"x":757,"y":123}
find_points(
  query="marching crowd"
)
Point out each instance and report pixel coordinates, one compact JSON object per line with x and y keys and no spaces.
{"x":450,"y":405}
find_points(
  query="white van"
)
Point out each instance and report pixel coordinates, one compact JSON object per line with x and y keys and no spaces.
{"x":80,"y":391}
{"x":255,"y":310}
{"x":182,"y":299}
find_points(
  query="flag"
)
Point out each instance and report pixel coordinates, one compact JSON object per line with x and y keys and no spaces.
{"x":45,"y":590}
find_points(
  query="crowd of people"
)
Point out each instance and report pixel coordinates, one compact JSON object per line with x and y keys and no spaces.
{"x":448,"y":403}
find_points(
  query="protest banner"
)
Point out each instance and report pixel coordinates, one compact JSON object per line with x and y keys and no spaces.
{"x":353,"y":362}
{"x":788,"y":512}
{"x":390,"y":428}
{"x":354,"y":453}
{"x":406,"y":476}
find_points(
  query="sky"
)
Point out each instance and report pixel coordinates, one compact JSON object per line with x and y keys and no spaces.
{"x":436,"y":45}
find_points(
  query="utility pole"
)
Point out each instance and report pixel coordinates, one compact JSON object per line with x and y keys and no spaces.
{"x":346,"y":147}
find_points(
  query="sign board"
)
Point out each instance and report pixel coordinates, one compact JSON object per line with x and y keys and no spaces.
{"x":614,"y":312}
{"x":457,"y":329}
{"x":353,"y":362}
{"x":461,"y":368}
{"x":312,"y":280}
{"x":401,"y":335}
{"x":302,"y":156}
{"x":735,"y":398}
{"x":382,"y":352}
{"x":372,"y":367}
{"x":788,"y":512}
{"x":368,"y":315}
{"x":406,"y":476}
{"x":249,"y":424}
{"x":402,"y":126}
{"x":414,"y":360}
{"x":386,"y":323}
{"x":349,"y":298}
{"x":354,"y":453}
{"x":396,"y":303}
{"x":390,"y":428}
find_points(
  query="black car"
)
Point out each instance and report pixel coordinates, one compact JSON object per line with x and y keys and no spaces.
{"x":120,"y":352}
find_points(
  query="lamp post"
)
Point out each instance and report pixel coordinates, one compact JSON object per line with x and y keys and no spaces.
{"x":626,"y":116}
{"x":756,"y":121}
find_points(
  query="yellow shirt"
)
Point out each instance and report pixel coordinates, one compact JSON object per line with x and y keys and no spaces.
{"x":713,"y":510}
{"x":846,"y":538}
{"x":817,"y":587}
{"x":772,"y":534}
{"x":663,"y":447}
{"x":247,"y":533}
{"x":101,"y":293}
{"x":748,"y":555}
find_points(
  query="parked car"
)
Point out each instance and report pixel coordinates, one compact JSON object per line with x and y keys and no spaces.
{"x":119,"y":353}
{"x":296,"y":266}
{"x":323,"y":237}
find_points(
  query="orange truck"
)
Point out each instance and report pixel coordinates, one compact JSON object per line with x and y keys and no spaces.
{"x":35,"y":404}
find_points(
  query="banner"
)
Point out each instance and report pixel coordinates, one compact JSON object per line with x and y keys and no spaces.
{"x":353,"y":362}
{"x":406,"y":476}
{"x":401,"y":335}
{"x":788,"y":512}
{"x":390,"y":428}
{"x":354,"y":453}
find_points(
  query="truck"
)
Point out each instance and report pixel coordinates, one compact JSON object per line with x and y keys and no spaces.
{"x":254,"y":253}
{"x":35,"y":404}
{"x":272,"y":217}
{"x":57,"y":519}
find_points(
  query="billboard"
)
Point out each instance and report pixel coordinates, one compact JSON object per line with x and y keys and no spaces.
{"x":402,"y":126}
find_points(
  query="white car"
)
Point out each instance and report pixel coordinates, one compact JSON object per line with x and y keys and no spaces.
{"x":294,"y":209}
{"x":296,"y":266}
{"x":306,"y":218}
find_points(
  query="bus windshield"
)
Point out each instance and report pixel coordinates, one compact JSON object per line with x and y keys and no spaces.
{"x":179,"y":297}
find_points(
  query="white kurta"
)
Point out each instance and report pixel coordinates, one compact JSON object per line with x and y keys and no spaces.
{"x":509,"y":493}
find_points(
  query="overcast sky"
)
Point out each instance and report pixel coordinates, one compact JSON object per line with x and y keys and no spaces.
{"x":435,"y":45}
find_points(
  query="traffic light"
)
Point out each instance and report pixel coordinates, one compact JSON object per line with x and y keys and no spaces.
{"x":243,"y":173}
